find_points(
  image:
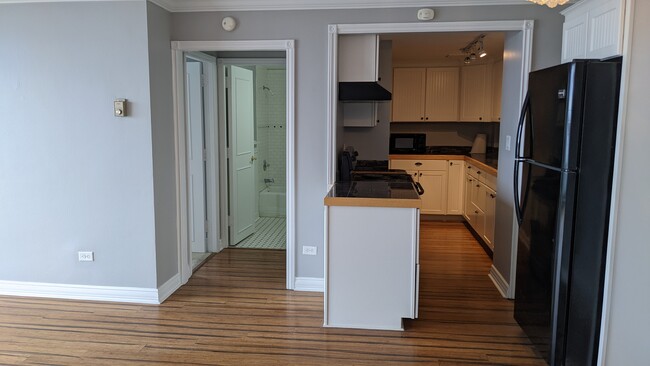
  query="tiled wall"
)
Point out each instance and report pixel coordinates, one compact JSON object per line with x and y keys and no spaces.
{"x":270,"y":114}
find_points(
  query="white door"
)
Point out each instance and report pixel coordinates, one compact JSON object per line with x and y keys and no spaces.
{"x":195,"y":150}
{"x":242,"y":148}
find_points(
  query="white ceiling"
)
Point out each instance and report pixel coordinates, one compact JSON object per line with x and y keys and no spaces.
{"x":416,"y":48}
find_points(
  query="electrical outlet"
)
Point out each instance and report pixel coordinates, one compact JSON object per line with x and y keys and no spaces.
{"x":508,"y":142}
{"x":307,"y":250}
{"x":86,"y":256}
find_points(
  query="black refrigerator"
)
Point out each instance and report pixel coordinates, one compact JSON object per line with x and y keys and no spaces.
{"x":563,"y":170}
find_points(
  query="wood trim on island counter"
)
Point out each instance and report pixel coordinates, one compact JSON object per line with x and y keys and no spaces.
{"x":373,"y":202}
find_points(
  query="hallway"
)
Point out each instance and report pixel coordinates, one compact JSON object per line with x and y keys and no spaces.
{"x":235,"y":311}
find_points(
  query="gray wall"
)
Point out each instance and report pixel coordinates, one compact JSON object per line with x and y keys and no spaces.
{"x":72,"y":176}
{"x":163,"y":139}
{"x":627,"y":339}
{"x":309,"y":29}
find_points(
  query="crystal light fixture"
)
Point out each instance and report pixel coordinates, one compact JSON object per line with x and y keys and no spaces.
{"x":550,"y":3}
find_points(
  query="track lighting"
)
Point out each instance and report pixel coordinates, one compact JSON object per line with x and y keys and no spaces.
{"x":473,"y":48}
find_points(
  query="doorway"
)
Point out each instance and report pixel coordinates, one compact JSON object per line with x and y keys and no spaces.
{"x":517,"y":64}
{"x":254,"y":97}
{"x":218,"y":155}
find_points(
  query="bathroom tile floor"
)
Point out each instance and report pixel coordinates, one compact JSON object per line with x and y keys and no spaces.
{"x":270,"y":233}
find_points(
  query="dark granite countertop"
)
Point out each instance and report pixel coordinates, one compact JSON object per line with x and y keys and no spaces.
{"x":490,"y":158}
{"x":390,"y":185}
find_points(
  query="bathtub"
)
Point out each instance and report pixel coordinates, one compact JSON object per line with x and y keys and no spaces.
{"x":273,"y":202}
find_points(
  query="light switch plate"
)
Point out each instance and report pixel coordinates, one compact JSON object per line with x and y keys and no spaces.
{"x":508,"y":138}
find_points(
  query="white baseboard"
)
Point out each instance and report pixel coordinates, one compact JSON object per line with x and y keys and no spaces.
{"x":499,"y":282}
{"x":169,"y":288}
{"x":313,"y":284}
{"x":82,"y":292}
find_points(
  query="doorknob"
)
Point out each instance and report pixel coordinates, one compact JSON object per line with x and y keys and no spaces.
{"x":253,"y":158}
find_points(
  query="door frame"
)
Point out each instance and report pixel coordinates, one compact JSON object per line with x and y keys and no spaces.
{"x":212,"y":163}
{"x":334,"y":30}
{"x":179,"y":48}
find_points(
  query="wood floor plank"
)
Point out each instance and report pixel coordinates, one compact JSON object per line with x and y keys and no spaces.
{"x":235,"y":311}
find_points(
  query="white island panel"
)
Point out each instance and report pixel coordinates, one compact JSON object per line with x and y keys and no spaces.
{"x":372,"y":257}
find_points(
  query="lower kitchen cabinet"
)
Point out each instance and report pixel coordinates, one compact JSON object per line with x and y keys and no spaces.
{"x":434,"y":199}
{"x":455,"y":184}
{"x":433,"y":176}
{"x":480,"y":205}
{"x":490,"y":210}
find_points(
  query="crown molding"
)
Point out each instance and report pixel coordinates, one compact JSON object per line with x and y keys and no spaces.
{"x":250,"y":5}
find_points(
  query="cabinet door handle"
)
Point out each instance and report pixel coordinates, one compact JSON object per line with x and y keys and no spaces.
{"x":451,"y":163}
{"x":476,"y":212}
{"x":421,"y":118}
{"x":470,"y":180}
{"x":426,"y":118}
{"x":420,"y":174}
{"x":491,"y":195}
{"x":469,"y":167}
{"x":480,"y":118}
{"x":478,"y":186}
{"x":418,"y":164}
{"x":478,"y":172}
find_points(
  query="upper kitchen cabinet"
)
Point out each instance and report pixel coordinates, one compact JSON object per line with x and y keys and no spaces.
{"x":497,"y":78}
{"x":593,"y":29}
{"x":409,"y":88}
{"x":359,"y":58}
{"x":425,"y":94}
{"x":359,"y":71}
{"x":475,"y":94}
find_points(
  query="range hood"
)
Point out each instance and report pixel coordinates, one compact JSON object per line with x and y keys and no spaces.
{"x":357,"y":91}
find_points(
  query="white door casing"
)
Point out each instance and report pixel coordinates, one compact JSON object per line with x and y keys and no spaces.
{"x":242,"y":152}
{"x":195,"y":155}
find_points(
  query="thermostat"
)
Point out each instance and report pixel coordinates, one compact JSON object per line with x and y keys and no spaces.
{"x":119,"y":107}
{"x":425,"y":14}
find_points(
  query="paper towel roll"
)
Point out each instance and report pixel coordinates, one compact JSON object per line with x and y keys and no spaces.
{"x":478,"y":147}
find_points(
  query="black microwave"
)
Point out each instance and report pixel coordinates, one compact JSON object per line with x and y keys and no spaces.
{"x":408,"y":143}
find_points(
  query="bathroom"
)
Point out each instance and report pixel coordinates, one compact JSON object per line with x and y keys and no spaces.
{"x":270,"y":152}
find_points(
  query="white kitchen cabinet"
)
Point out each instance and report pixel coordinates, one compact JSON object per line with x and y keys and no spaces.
{"x":360,"y":114}
{"x":475,"y":99}
{"x":358,"y":57}
{"x":425,"y":94}
{"x":455,"y":186}
{"x":432,"y":175}
{"x":490,"y":209}
{"x":434,"y":199}
{"x":480,"y":205}
{"x":441,"y":101}
{"x":593,"y":29}
{"x":409,"y":90}
{"x":497,"y":81}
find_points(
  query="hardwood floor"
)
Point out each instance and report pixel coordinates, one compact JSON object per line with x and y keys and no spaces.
{"x":235,"y":311}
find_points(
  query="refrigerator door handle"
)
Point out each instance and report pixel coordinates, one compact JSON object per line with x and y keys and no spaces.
{"x":519,"y":159}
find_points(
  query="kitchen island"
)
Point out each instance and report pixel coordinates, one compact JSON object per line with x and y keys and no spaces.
{"x":372,"y":252}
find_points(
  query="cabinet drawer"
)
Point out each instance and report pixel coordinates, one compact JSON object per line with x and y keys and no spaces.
{"x":419,"y":164}
{"x":489,"y":180}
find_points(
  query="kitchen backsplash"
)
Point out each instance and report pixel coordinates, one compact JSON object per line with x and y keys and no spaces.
{"x":450,"y":133}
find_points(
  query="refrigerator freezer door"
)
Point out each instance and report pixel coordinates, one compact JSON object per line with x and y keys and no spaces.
{"x":555,"y":94}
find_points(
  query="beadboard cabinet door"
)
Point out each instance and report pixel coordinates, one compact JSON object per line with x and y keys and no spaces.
{"x":475,"y":101}
{"x":409,"y":87}
{"x":497,"y":78}
{"x":441,"y":102}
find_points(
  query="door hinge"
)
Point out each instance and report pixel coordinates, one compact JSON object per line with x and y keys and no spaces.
{"x":203,"y":80}
{"x":206,"y":227}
